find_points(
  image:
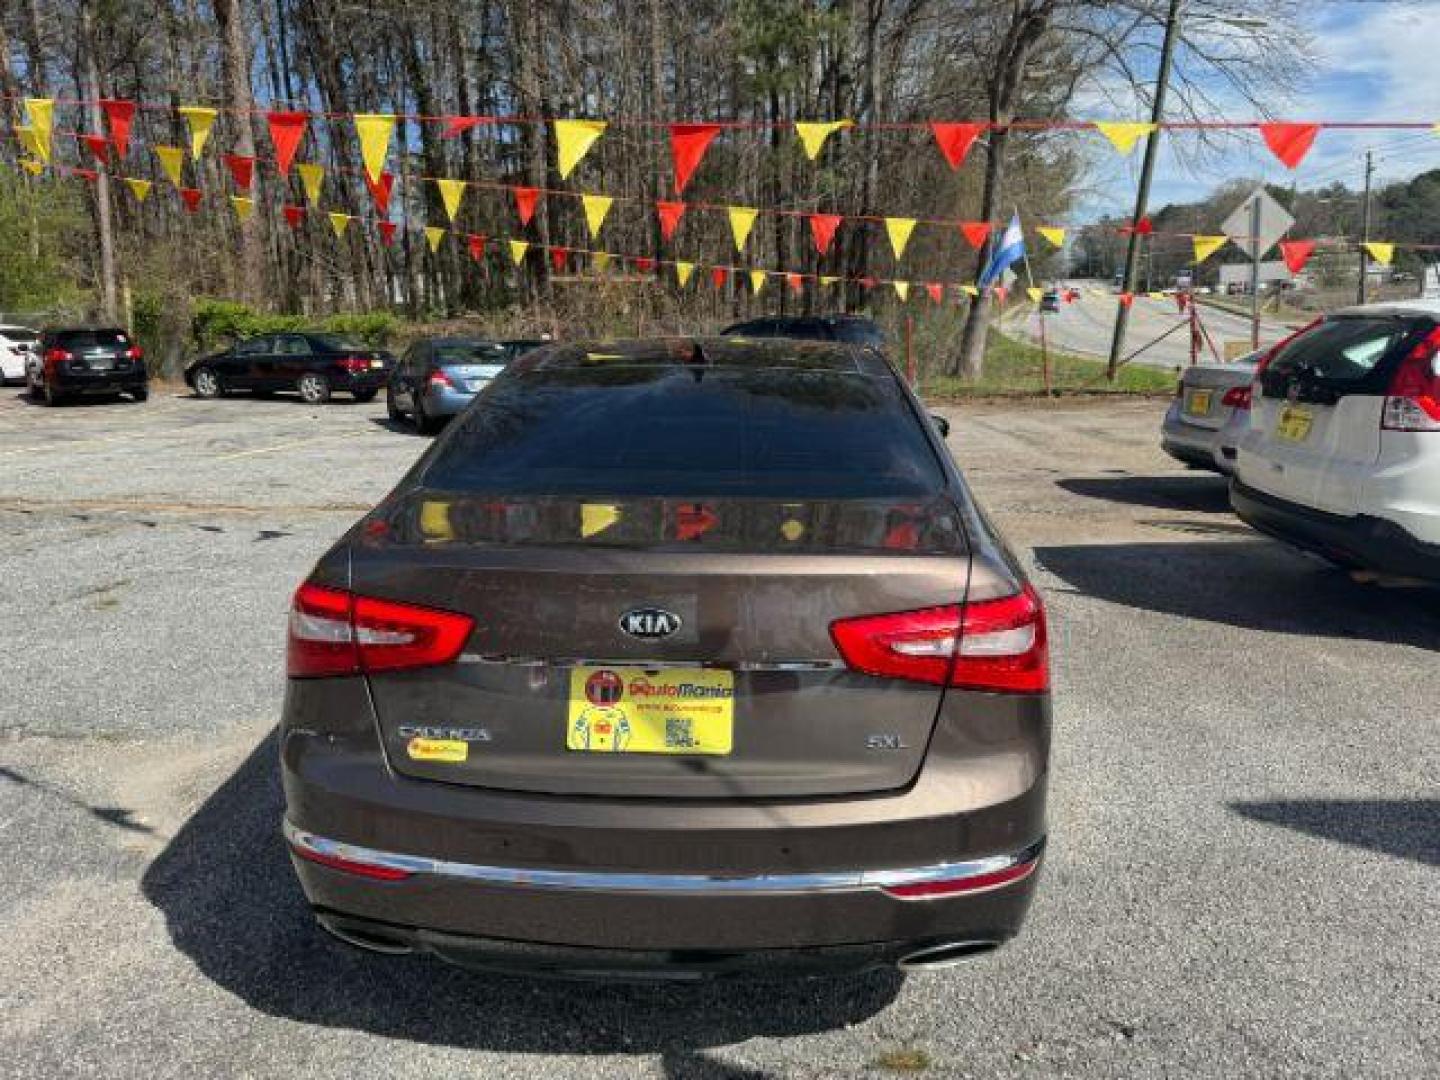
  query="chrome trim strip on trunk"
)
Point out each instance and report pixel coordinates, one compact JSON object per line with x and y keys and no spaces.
{"x":580,"y":661}
{"x":615,"y":881}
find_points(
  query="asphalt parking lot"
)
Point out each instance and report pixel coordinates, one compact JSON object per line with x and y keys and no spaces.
{"x":1244,"y":870}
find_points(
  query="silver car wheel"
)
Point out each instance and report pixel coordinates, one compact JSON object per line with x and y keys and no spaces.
{"x":313,"y":389}
{"x":207,"y":383}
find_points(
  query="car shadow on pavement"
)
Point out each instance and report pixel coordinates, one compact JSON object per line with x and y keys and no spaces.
{"x":1254,"y":584}
{"x":1405,"y":828}
{"x":1203,"y":492}
{"x":232,"y":904}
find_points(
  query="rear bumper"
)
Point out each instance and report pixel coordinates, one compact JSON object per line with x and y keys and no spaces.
{"x":107,"y":382}
{"x":659,"y":880}
{"x":442,"y":402}
{"x":1194,"y":445}
{"x":367,"y":383}
{"x":1371,"y":542}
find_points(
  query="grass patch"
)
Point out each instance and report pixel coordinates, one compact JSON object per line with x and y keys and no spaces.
{"x":904,"y":1060}
{"x":1016,"y":367}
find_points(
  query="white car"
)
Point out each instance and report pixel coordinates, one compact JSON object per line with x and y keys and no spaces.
{"x":1210,"y":402}
{"x":16,"y":345}
{"x":1341,"y":456}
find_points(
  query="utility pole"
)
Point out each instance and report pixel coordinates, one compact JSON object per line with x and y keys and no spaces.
{"x":104,"y":229}
{"x":1255,"y":272}
{"x":1142,"y":195}
{"x":1365,"y":227}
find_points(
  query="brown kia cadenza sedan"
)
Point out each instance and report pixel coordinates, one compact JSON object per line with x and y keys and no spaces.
{"x":673,"y":658}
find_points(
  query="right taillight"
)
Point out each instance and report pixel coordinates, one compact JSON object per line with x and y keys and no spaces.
{"x":334,"y":632}
{"x":1001,"y":644}
{"x":1237,"y":397}
{"x":1412,"y":402}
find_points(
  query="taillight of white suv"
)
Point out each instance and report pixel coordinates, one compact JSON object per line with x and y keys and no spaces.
{"x":1412,"y":402}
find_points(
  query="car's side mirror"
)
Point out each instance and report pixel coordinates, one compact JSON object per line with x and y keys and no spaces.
{"x":941,"y":425}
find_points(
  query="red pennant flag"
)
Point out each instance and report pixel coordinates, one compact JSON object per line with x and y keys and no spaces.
{"x":119,"y":114}
{"x":975,"y":233}
{"x":99,"y":146}
{"x":191,"y":196}
{"x":1289,"y":142}
{"x":670,"y":215}
{"x":795,"y":283}
{"x":936,"y":291}
{"x":718,"y":276}
{"x":822,"y":230}
{"x":1071,"y":295}
{"x":955,"y":140}
{"x":477,"y":247}
{"x":294,"y":215}
{"x":286,"y":131}
{"x":455,"y":126}
{"x":381,"y":192}
{"x":644,"y":265}
{"x":694,"y":521}
{"x":525,"y":198}
{"x":1144,"y":227}
{"x":241,"y":168}
{"x":1126,"y":299}
{"x":688,"y":143}
{"x":558,"y":259}
{"x":387,"y":232}
{"x":86,"y":174}
{"x":1296,"y":254}
{"x":868,"y":283}
{"x":1000,"y":292}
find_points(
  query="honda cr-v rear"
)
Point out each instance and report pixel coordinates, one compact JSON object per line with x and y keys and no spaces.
{"x":682,"y":656}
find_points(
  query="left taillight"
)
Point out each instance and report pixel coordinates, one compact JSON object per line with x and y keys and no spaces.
{"x":334,"y":632}
{"x":997,"y":645}
{"x":355,"y":364}
{"x":1237,"y":397}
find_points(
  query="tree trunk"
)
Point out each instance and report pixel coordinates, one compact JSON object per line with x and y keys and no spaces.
{"x":240,"y":100}
{"x":104,"y":230}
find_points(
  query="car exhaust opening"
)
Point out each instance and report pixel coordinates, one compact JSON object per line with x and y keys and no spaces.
{"x":948,"y":954}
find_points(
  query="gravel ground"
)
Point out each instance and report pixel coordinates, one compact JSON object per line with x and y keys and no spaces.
{"x":1243,"y":879}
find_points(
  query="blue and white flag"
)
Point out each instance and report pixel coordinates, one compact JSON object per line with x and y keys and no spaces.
{"x":1010,"y":249}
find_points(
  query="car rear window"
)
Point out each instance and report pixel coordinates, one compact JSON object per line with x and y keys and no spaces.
{"x":468,"y":352}
{"x":87,"y":339}
{"x":677,"y":431}
{"x":860,"y":333}
{"x":1338,"y":352}
{"x":337,"y":343}
{"x":19,"y":335}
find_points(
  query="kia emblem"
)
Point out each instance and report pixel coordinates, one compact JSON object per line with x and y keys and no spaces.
{"x":649,"y":624}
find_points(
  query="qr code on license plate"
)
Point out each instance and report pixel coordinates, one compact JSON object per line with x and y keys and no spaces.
{"x":679,"y":731}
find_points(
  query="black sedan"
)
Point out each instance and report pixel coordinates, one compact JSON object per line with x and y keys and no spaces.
{"x":314,"y":365}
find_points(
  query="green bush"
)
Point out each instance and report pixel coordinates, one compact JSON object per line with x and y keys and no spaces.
{"x":216,"y":323}
{"x":375,"y":328}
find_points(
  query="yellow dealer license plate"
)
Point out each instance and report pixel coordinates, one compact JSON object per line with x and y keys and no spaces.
{"x":1294,"y":423}
{"x":1200,"y":402}
{"x":624,"y":710}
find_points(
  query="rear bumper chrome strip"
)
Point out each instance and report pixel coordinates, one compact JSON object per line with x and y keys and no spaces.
{"x":611,"y":881}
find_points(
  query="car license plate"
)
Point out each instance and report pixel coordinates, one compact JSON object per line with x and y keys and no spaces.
{"x":377,"y":363}
{"x":1200,"y":402}
{"x":1294,"y":424}
{"x":475,"y":385}
{"x":624,"y":710}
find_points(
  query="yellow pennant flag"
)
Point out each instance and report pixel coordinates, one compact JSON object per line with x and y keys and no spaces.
{"x":141,"y":188}
{"x":574,"y":138}
{"x":902,"y":289}
{"x":451,"y":192}
{"x":312,"y":178}
{"x":826,"y":280}
{"x":1055,"y":236}
{"x":1155,"y":295}
{"x":683,"y":270}
{"x":742,"y":219}
{"x":29,"y":140}
{"x":1205,"y":246}
{"x":600,"y":261}
{"x":374,"y":130}
{"x":172,"y":159}
{"x":518,"y":248}
{"x":200,"y":120}
{"x":1380,"y":252}
{"x":1035,"y":293}
{"x":969,"y":290}
{"x":597,"y":517}
{"x":596,"y":207}
{"x":243,"y":207}
{"x":34,"y":168}
{"x":433,"y":235}
{"x":757,"y":281}
{"x":1123,"y":136}
{"x":42,"y":123}
{"x":899,"y":230}
{"x":813,"y":135}
{"x":338,"y":222}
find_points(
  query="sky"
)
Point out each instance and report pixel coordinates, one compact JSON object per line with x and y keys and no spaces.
{"x":1375,"y":60}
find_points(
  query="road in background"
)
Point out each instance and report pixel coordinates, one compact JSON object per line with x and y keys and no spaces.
{"x":1241,"y":877}
{"x":1086,"y":326}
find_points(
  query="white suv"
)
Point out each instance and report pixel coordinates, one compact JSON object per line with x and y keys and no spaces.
{"x":1341,"y":455}
{"x":16,"y":345}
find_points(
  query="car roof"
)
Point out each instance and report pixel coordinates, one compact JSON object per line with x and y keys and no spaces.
{"x":731,"y":352}
{"x":1391,"y":307}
